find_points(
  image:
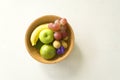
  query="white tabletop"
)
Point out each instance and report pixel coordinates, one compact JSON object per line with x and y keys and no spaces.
{"x":96,"y":54}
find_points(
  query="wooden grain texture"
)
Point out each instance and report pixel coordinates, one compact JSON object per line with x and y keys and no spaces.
{"x":34,"y":52}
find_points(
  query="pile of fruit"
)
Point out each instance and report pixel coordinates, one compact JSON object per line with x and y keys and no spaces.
{"x":52,"y":38}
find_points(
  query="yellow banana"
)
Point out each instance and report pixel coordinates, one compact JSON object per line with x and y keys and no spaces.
{"x":35,"y":34}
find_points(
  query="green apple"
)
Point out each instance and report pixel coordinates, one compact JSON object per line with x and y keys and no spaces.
{"x":46,"y":36}
{"x":47,"y":51}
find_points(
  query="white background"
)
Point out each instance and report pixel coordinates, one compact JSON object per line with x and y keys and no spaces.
{"x":96,"y":54}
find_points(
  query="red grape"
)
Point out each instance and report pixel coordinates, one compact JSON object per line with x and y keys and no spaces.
{"x":57,"y":35}
{"x":50,"y":25}
{"x":54,"y":27}
{"x":57,"y":21}
{"x":64,"y":34}
{"x":63,"y":28}
{"x":63,"y":21}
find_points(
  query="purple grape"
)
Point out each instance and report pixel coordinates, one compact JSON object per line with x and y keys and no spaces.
{"x":62,"y":49}
{"x":58,"y":51}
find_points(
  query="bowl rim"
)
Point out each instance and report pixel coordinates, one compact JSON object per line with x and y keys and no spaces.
{"x":53,"y":61}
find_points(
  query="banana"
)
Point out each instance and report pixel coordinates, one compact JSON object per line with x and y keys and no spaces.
{"x":35,"y":34}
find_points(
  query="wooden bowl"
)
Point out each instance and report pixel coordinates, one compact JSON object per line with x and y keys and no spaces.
{"x":34,"y":52}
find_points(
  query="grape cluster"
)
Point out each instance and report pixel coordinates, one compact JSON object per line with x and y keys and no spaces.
{"x":59,"y":27}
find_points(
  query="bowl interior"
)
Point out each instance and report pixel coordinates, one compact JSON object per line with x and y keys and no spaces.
{"x":35,"y":52}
